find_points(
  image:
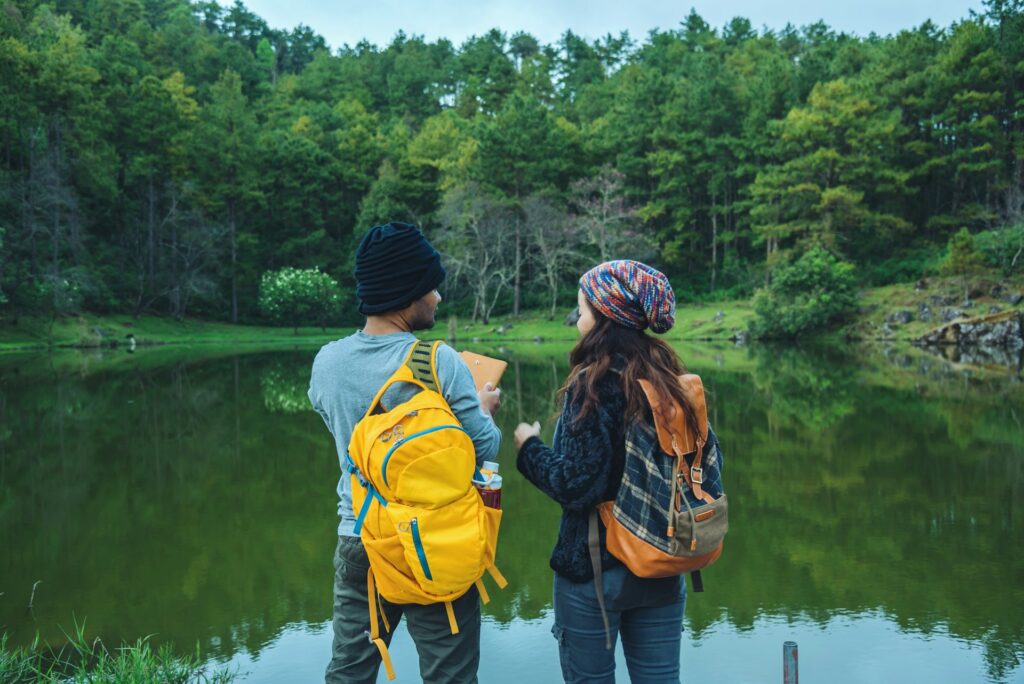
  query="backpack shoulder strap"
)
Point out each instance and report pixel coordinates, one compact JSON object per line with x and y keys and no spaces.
{"x":675,"y":437}
{"x":418,"y":368}
{"x":674,"y":434}
{"x":422,"y":362}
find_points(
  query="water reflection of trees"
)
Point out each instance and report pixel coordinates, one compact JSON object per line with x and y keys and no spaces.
{"x":183,"y":501}
{"x":163,"y":502}
{"x":530,"y":522}
{"x":849,"y":496}
{"x":880,"y":505}
{"x":284,"y":384}
{"x":807,"y":390}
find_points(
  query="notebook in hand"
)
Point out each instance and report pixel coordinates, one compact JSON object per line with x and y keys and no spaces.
{"x":484,"y":368}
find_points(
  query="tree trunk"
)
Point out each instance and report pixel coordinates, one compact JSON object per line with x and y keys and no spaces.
{"x":518,"y":267}
{"x":150,"y":232}
{"x":1015,"y":194}
{"x":234,"y":261}
{"x":56,"y":197}
{"x":553,"y":289}
{"x":27,"y":219}
{"x":176,"y":302}
{"x":714,"y":243}
{"x":494,"y":302}
{"x":480,"y":301}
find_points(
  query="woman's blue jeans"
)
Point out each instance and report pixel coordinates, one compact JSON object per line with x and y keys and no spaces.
{"x":647,"y":614}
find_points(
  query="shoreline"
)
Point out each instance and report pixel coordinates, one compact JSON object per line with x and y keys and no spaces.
{"x":893,"y":313}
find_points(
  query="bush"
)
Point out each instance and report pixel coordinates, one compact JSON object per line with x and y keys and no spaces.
{"x":1003,"y":248}
{"x":903,"y":265}
{"x":809,"y":294}
{"x":963,"y":259}
{"x":294,"y":297}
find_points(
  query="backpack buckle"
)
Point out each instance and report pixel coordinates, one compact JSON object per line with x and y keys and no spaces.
{"x":397,"y":432}
{"x":697,"y":475}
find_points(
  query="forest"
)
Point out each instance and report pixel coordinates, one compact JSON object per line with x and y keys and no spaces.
{"x":164,"y":156}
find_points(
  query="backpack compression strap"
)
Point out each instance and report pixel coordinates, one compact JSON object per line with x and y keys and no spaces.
{"x":594,"y":544}
{"x":374,"y":634}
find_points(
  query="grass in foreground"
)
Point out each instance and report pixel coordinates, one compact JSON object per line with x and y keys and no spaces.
{"x":82,"y":661}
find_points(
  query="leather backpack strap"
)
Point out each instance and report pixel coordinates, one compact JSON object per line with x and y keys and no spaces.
{"x":675,"y":436}
{"x":693,"y":389}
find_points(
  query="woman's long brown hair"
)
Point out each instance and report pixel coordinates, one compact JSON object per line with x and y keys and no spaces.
{"x":646,"y":358}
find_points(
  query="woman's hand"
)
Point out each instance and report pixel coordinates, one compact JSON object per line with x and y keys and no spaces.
{"x":525,"y":431}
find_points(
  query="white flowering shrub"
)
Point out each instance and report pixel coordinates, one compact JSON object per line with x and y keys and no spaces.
{"x":300,"y":296}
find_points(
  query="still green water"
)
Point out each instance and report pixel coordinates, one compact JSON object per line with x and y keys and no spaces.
{"x":878,"y":515}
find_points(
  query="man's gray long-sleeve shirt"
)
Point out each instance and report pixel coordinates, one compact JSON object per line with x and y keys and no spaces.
{"x":349,"y":372}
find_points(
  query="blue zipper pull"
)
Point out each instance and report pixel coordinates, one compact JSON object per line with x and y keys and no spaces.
{"x":418,"y":543}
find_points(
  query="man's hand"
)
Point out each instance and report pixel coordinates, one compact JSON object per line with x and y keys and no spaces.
{"x":525,"y":431}
{"x":490,"y":398}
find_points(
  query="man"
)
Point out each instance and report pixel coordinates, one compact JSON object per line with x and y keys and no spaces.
{"x":397,"y":276}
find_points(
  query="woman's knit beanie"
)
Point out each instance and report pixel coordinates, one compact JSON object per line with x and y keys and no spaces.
{"x":632,"y":294}
{"x":395,"y":266}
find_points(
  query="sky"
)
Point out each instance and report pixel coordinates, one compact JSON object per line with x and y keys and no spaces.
{"x":347,"y":21}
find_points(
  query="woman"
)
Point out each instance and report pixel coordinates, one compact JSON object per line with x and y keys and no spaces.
{"x":618,"y":300}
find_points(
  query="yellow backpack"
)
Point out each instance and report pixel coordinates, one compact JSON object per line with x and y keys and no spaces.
{"x":427,"y":532}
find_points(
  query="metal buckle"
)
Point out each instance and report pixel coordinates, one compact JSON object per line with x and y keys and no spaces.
{"x":697,"y":475}
{"x":397,"y":432}
{"x":369,"y":637}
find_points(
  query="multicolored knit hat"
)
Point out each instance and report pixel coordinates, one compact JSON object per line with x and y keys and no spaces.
{"x":631,"y":294}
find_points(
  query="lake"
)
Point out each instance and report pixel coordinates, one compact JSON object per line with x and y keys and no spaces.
{"x":877,"y":514}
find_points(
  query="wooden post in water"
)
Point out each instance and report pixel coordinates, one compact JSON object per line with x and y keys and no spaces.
{"x":789,"y":663}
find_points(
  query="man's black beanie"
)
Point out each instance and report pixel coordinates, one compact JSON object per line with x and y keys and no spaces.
{"x":395,"y":266}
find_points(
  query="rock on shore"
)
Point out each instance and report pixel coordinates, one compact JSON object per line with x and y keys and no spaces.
{"x":997,"y":338}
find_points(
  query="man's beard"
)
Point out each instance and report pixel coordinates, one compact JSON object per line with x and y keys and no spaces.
{"x":423,"y":321}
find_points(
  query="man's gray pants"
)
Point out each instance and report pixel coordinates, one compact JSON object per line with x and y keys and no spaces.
{"x":444,"y":657}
